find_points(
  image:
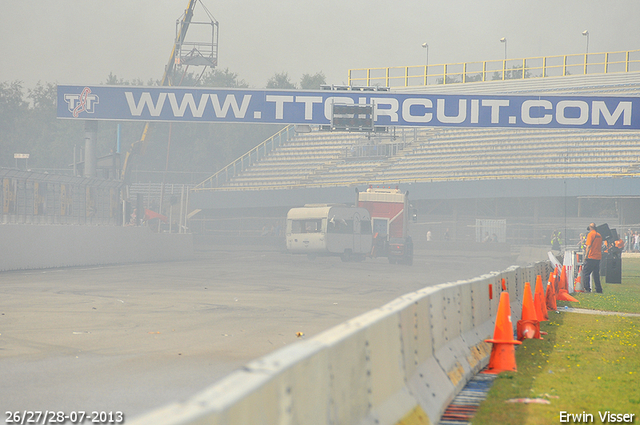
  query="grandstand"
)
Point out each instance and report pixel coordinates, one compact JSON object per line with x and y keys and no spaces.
{"x":321,"y":158}
{"x":567,"y":172}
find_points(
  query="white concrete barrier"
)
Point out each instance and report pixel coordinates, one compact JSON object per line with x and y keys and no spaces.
{"x":30,"y":246}
{"x":404,"y":361}
{"x":514,"y":284}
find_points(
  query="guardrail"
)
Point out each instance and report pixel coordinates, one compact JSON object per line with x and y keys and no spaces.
{"x":246,"y":160}
{"x":416,"y":180}
{"x":506,"y":69}
{"x":403,"y":361}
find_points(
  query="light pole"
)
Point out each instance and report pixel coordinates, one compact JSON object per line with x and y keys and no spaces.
{"x":504,"y":63}
{"x":426,"y":67}
{"x":586,"y":55}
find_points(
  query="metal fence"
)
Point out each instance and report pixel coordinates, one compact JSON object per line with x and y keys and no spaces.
{"x":491,"y":230}
{"x":41,"y":198}
{"x":248,"y":159}
{"x":506,"y":69}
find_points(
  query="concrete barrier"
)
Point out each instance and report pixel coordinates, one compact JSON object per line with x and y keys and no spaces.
{"x":515,"y":286}
{"x":24,"y":246}
{"x":403,"y":362}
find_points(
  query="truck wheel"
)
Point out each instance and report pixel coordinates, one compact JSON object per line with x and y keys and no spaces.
{"x":346,"y":255}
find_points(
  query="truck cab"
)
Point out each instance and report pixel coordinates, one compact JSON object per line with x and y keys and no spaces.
{"x":390,"y":216}
{"x":400,"y":250}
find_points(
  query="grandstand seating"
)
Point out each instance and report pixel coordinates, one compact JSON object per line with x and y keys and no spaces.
{"x":332,"y":158}
{"x":297,"y":159}
{"x":320,"y":158}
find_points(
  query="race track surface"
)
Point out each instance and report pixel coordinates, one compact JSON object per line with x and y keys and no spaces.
{"x":134,"y":337}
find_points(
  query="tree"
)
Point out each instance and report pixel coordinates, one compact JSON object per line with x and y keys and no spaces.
{"x":472,"y":78}
{"x":113,"y":80}
{"x":450,"y":80}
{"x":515,"y":73}
{"x":280,"y":81}
{"x":28,"y":124}
{"x":50,"y":140}
{"x":13,"y":121}
{"x":12,"y":102}
{"x":312,"y":82}
{"x":223,"y":78}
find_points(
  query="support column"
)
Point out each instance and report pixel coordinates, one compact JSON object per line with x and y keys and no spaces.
{"x":455,"y":215}
{"x":90,"y":148}
{"x":537,"y":233}
{"x":579,"y":207}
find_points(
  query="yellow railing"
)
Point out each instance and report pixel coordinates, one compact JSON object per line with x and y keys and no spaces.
{"x":393,"y":182}
{"x":508,"y":69}
{"x":246,"y":160}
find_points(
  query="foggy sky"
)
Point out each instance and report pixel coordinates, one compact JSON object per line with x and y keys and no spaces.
{"x":82,"y":41}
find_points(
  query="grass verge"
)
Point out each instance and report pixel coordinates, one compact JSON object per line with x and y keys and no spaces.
{"x":623,"y":298}
{"x":587,"y":363}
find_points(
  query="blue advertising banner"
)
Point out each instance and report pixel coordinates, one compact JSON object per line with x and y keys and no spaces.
{"x":127,"y":103}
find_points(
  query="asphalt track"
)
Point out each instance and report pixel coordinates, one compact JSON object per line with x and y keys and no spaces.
{"x":131,"y":338}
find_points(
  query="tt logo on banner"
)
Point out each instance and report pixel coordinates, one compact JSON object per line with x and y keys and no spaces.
{"x":83,"y":102}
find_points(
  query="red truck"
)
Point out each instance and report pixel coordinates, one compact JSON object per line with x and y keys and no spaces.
{"x":390,"y":215}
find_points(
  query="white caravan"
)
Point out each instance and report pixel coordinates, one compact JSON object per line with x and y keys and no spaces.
{"x":329,"y":229}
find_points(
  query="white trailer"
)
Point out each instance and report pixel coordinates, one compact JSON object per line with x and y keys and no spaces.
{"x":329,"y":229}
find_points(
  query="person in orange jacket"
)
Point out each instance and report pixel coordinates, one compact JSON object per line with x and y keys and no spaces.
{"x":592,"y":257}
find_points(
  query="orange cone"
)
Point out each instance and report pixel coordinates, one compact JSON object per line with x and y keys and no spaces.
{"x":504,"y":284}
{"x":562,"y":284}
{"x":503,"y":352}
{"x":556,"y":280}
{"x":528,"y":309}
{"x":552,"y":280}
{"x":578,"y":282}
{"x":551,"y":298}
{"x":539,"y":282}
{"x":539,"y":301}
{"x":529,"y":325}
{"x":563,"y":294}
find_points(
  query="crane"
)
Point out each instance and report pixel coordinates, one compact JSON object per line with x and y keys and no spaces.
{"x":201,"y":53}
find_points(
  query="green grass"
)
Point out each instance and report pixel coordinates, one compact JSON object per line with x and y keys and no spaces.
{"x":622,"y":298}
{"x":586,"y":363}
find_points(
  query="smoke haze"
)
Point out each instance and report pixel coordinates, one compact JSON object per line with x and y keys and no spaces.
{"x":82,"y":41}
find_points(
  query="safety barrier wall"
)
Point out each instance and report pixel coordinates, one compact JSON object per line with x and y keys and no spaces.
{"x":403,"y":361}
{"x":27,"y":246}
